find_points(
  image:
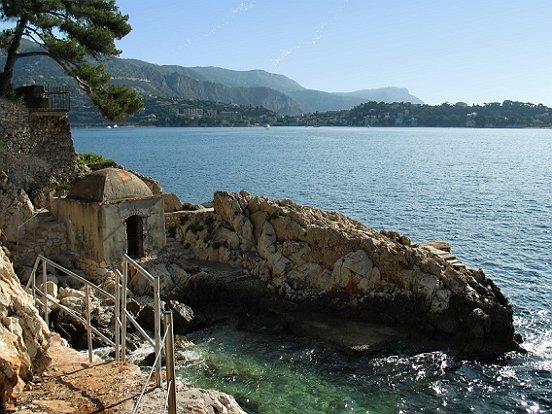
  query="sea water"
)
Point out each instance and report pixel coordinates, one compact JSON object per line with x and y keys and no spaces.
{"x":487,"y":191}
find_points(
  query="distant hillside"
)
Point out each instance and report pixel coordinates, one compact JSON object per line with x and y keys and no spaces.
{"x":198,"y":83}
{"x":174,"y":81}
{"x":317,"y":101}
{"x":245,"y":79}
{"x":249,"y":88}
{"x":387,"y":95}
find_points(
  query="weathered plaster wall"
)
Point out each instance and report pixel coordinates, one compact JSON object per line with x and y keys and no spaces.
{"x":84,"y":224}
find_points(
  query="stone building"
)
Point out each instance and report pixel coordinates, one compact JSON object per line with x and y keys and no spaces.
{"x":108,"y":213}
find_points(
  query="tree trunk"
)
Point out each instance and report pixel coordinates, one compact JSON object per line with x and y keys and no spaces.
{"x":7,"y":75}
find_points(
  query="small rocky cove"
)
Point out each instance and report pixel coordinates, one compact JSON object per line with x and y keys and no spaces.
{"x":246,"y":262}
{"x":259,"y":264}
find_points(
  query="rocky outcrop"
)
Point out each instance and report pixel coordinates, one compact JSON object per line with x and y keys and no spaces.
{"x":23,"y":334}
{"x":15,"y":209}
{"x":326,"y":262}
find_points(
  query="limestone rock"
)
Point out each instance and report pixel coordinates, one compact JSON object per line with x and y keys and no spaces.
{"x":183,"y":317}
{"x":23,"y":334}
{"x":151,"y":182}
{"x":172,"y":202}
{"x":15,"y":209}
{"x":328,"y":261}
{"x":192,"y":400}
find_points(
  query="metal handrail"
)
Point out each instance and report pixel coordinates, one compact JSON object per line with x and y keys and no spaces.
{"x":146,"y":382}
{"x":81,"y":279}
{"x":121,"y":317}
{"x":31,"y":284}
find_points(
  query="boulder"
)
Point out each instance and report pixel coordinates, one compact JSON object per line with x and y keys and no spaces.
{"x":184,"y":319}
{"x":151,"y":182}
{"x":172,"y":202}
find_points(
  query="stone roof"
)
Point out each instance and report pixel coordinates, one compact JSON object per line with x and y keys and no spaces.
{"x":109,"y":184}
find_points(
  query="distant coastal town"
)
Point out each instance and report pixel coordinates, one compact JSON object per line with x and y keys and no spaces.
{"x":195,"y":113}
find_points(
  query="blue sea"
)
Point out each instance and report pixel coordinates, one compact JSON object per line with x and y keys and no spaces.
{"x":487,"y":191}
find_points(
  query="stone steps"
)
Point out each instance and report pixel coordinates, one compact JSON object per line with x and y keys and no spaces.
{"x":447,"y":256}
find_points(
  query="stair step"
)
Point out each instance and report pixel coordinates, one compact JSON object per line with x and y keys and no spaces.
{"x":448,"y":257}
{"x":457,"y":264}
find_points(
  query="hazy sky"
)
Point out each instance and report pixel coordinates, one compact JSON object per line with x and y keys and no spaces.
{"x":472,"y":50}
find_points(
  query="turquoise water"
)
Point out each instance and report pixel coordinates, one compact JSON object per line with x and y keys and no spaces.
{"x":489,"y":192}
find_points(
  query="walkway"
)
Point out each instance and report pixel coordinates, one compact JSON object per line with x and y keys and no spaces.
{"x":71,"y":385}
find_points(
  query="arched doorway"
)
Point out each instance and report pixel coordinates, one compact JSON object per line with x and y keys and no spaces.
{"x":135,"y":236}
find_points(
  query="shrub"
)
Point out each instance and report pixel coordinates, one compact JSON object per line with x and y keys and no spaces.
{"x":95,"y":161}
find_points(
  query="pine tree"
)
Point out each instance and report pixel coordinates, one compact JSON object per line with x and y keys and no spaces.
{"x":78,"y":35}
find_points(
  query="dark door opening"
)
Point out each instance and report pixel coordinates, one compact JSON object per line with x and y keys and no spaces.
{"x":135,"y":237}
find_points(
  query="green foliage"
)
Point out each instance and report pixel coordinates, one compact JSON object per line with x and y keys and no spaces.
{"x":332,"y":216}
{"x":78,"y":35}
{"x":95,"y":161}
{"x":295,"y":207}
{"x":64,"y":185}
{"x":115,"y":102}
{"x":175,"y":111}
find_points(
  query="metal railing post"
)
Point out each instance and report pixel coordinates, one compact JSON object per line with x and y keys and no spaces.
{"x":45,"y":291}
{"x":123,"y":312}
{"x":88,"y":323}
{"x":117,"y":316}
{"x":157,"y":326}
{"x":169,"y":360}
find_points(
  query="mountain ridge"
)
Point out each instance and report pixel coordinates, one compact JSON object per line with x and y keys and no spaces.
{"x":308,"y":100}
{"x":254,"y":87}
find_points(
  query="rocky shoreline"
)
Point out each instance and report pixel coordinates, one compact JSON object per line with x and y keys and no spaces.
{"x":257,"y":263}
{"x":307,"y":266}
